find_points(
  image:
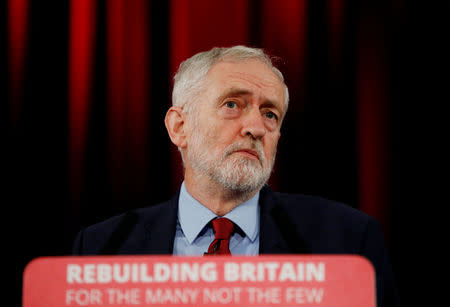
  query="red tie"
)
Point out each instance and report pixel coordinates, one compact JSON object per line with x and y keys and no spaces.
{"x":223,"y":228}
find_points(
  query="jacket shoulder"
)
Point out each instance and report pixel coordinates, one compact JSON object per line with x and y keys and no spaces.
{"x":127,"y":228}
{"x":327,"y":226}
{"x":315,"y":206}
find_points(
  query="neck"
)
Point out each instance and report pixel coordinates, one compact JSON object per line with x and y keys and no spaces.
{"x":213,"y":195}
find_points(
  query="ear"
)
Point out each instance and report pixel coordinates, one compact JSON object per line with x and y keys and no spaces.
{"x":175,"y":126}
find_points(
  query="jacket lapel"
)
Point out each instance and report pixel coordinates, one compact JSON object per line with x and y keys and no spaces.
{"x":278,"y":234}
{"x":160,"y":227}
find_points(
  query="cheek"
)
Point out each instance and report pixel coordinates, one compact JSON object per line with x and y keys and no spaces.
{"x":216,"y":138}
{"x":200,"y":126}
{"x":224,"y":133}
{"x":271,"y":146}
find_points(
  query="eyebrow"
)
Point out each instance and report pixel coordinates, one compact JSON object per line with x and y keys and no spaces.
{"x":234,"y":91}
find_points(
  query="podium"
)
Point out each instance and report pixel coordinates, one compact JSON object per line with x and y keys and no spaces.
{"x":269,"y":280}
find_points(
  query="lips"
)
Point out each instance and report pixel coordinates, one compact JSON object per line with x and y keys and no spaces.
{"x":248,"y":153}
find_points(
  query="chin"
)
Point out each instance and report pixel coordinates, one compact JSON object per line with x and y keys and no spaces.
{"x":243,"y":185}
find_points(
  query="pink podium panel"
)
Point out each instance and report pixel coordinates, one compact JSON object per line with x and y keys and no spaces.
{"x":194,"y":281}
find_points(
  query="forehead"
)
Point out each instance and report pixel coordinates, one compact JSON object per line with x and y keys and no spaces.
{"x":252,"y":75}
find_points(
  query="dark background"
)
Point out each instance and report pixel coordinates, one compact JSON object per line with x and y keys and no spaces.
{"x":85,"y":86}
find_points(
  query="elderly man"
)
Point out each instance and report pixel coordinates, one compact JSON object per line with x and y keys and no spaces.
{"x":228,"y":107}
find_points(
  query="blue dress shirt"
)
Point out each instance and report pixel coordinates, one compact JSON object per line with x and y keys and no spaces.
{"x":193,"y":234}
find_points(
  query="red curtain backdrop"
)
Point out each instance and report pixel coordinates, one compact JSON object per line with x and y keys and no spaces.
{"x":128,"y":88}
{"x":17,"y":40}
{"x":81,"y":50}
{"x":373,"y":120}
{"x":88,"y":82}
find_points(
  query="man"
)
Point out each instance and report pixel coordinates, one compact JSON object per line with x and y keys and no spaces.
{"x":228,"y":107}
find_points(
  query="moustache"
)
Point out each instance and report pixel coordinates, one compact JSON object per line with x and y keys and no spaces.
{"x":256,"y":147}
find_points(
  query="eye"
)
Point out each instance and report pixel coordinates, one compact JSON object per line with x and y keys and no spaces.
{"x":271,"y":115}
{"x":231,"y":105}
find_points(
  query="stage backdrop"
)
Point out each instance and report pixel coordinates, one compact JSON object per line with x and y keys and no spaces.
{"x":86,"y":85}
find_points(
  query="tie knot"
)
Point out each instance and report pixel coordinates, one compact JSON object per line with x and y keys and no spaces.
{"x":223,"y":228}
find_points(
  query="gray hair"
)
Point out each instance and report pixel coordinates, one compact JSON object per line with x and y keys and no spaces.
{"x":189,"y":79}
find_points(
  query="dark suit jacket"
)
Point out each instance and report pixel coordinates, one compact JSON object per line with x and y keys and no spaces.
{"x":290,"y":224}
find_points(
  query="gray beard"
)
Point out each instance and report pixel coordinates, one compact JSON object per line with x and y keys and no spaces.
{"x":236,"y":174}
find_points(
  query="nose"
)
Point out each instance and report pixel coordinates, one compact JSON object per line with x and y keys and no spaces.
{"x":253,"y":125}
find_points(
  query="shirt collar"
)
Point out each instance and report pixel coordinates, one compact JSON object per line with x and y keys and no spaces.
{"x":193,"y":216}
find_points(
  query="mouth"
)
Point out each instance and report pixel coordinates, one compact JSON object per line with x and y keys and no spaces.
{"x":249,"y":153}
